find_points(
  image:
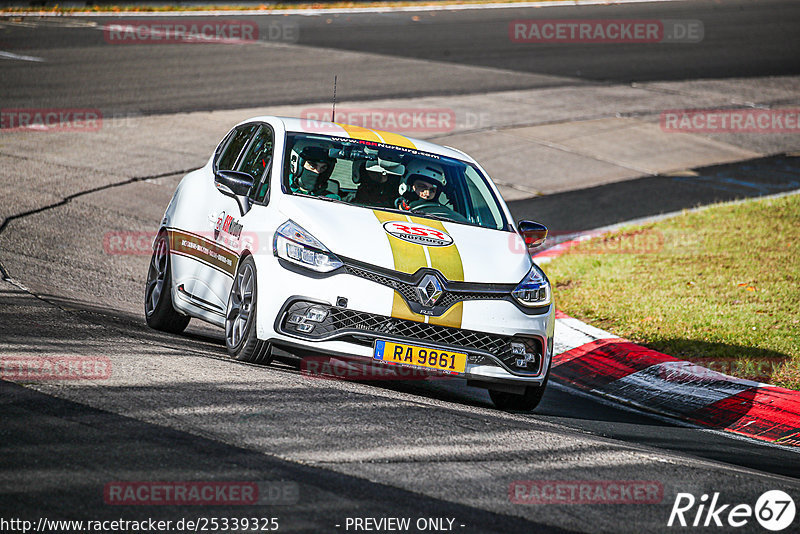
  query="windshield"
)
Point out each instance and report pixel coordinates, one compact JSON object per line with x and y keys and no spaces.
{"x":375,"y":175}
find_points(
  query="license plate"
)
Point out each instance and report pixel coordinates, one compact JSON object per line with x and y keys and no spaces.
{"x":425,"y":357}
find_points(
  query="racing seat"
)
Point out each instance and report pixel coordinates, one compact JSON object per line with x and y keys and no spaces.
{"x":333,"y":186}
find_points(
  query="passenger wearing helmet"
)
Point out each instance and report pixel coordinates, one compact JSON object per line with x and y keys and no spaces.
{"x":314,"y":167}
{"x":379,"y":181}
{"x":423,"y":184}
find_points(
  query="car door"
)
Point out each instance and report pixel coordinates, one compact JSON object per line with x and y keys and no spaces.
{"x":256,"y":161}
{"x":210,"y":239}
{"x":230,"y":225}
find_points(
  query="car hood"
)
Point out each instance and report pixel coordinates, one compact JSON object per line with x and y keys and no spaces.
{"x":395,"y":241}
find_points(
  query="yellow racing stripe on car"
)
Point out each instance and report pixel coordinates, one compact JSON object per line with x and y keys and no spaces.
{"x":446,"y":260}
{"x":359,"y":132}
{"x":410,"y":257}
{"x":451,"y":317}
{"x":395,"y":139}
{"x":379,"y":136}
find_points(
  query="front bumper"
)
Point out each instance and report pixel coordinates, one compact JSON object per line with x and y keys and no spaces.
{"x":522,"y":358}
{"x":361,"y":312}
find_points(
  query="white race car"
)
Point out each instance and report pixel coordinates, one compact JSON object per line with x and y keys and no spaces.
{"x":324,"y":238}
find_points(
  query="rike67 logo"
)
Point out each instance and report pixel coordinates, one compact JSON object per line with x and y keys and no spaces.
{"x":774,"y":510}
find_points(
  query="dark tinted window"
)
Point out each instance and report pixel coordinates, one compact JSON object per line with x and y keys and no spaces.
{"x":258,"y":155}
{"x":231,"y":152}
{"x":393,"y":178}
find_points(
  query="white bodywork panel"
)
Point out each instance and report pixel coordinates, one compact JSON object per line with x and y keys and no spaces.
{"x":204,"y":258}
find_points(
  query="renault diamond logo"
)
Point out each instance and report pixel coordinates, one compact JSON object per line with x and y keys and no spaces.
{"x":429,"y":290}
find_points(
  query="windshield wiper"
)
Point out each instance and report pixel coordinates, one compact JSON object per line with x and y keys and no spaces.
{"x":329,"y":199}
{"x":416,"y":212}
{"x":432,"y":216}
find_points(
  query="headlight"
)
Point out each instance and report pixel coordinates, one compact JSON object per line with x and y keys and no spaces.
{"x":295,"y":245}
{"x":534,"y":290}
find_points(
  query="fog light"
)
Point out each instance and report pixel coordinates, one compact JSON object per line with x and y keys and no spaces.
{"x":304,"y":327}
{"x":296,"y":318}
{"x":517,"y":349}
{"x":316,"y":315}
{"x":521,"y":362}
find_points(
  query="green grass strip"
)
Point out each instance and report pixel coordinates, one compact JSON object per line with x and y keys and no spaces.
{"x":720,"y":287}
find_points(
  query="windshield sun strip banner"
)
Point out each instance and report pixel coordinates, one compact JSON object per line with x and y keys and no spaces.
{"x":396,"y":139}
{"x":359,"y":132}
{"x":202,"y":250}
{"x":378,"y":136}
{"x":410,"y":257}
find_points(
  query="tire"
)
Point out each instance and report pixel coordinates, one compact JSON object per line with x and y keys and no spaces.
{"x":526,"y":402}
{"x":159,"y":312}
{"x":240,"y":317}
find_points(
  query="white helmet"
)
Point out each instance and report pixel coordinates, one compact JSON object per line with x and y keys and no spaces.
{"x":420,"y":169}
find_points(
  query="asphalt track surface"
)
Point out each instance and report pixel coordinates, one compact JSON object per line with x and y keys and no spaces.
{"x":741,"y":39}
{"x":182,"y":411}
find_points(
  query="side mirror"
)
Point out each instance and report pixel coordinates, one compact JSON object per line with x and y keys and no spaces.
{"x":237,"y":185}
{"x":533,"y":233}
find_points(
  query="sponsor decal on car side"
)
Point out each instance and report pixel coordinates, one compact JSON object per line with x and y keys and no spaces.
{"x":227,"y":230}
{"x":203,"y":250}
{"x":229,"y":225}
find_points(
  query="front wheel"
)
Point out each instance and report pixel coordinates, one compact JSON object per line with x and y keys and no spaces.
{"x":526,"y":402}
{"x":158,"y":310}
{"x":240,"y":317}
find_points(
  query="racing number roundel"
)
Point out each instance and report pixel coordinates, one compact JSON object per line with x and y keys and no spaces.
{"x":417,"y":233}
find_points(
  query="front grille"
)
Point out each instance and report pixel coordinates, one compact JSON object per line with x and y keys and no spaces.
{"x":408,"y":292}
{"x":451,"y":297}
{"x":365,"y":327}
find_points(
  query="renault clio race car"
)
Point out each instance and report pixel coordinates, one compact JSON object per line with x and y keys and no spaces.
{"x":324,"y":238}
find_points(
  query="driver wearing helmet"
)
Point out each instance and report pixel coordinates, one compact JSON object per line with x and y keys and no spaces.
{"x":423,"y":184}
{"x":314,"y":167}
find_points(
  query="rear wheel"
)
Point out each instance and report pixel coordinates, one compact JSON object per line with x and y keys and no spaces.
{"x":240,"y":317}
{"x":526,"y":402}
{"x":158,"y":309}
